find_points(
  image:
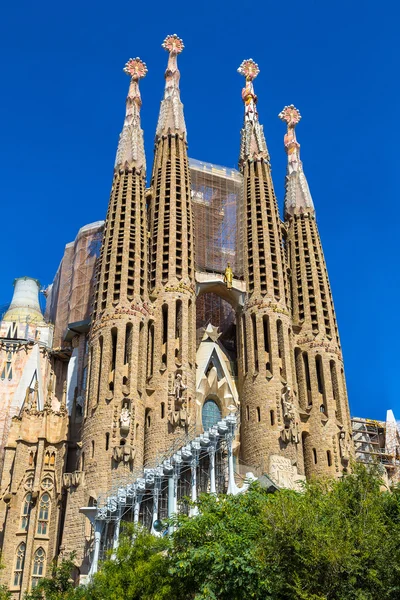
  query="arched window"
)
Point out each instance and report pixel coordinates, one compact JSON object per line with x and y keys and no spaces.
{"x":25,"y":512}
{"x":19,"y":565}
{"x":210,"y":414}
{"x":44,"y":514}
{"x":38,"y":566}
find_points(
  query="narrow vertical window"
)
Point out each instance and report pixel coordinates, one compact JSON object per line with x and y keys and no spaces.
{"x":335,"y":389}
{"x":190,"y":333}
{"x":329,"y":458}
{"x":298,"y":362}
{"x":267,"y":344}
{"x":164,"y":335}
{"x":247,"y":412}
{"x":44,"y":514}
{"x":92,"y":456}
{"x":258,"y":414}
{"x":107,"y":441}
{"x":162,"y":410}
{"x":314,"y":456}
{"x":246,"y":364}
{"x":25,"y":512}
{"x":89,"y":387}
{"x":82,"y":467}
{"x":114,"y":338}
{"x":19,"y":565}
{"x":281,"y":349}
{"x":320,"y":381}
{"x":318,"y":365}
{"x":142,"y":355}
{"x":150,"y":349}
{"x":308,"y":380}
{"x":255,"y":347}
{"x":100,"y":367}
{"x":272,"y":417}
{"x":128,"y":343}
{"x":178,"y":331}
{"x":38,"y":566}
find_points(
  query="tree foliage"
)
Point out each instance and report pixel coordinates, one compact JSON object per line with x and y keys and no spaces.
{"x":338,"y":540}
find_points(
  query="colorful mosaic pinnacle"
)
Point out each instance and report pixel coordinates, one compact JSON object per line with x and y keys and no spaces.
{"x":136,"y":68}
{"x":249,"y":69}
{"x":290,"y":115}
{"x":173,"y":44}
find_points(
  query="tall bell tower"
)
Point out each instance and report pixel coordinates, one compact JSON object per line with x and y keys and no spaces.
{"x":321,"y":386}
{"x":113,"y":428}
{"x":172,"y":335}
{"x":269,"y":411}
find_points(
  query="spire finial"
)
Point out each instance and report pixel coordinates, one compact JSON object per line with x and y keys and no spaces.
{"x":253,"y":145}
{"x":135,"y":68}
{"x":249,"y":69}
{"x":130,"y":151}
{"x":171,"y":112}
{"x":297,"y":198}
{"x":291,"y":116}
{"x":173,"y":44}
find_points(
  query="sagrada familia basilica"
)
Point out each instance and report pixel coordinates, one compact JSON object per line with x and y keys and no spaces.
{"x":189,"y":344}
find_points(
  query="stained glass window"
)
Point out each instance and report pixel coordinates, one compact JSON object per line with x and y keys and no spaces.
{"x":210,"y":414}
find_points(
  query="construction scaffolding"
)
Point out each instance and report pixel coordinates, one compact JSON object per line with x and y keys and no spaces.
{"x":378,"y":442}
{"x":70,"y":296}
{"x":216,"y":197}
{"x":216,"y":201}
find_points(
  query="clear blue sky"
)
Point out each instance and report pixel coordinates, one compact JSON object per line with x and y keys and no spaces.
{"x":62,"y":107}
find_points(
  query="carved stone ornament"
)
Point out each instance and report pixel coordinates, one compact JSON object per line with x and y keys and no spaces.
{"x":73,"y":479}
{"x":284,"y":474}
{"x":344,"y":446}
{"x":125,"y":454}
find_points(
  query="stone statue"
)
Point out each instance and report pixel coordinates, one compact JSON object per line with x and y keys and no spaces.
{"x":125,"y":418}
{"x":228,"y":276}
{"x":291,"y":431}
{"x":344,"y":448}
{"x":180,"y":387}
{"x":287,"y":404}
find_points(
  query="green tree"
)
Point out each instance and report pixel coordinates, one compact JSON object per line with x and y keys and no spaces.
{"x":338,"y":540}
{"x":59,"y":585}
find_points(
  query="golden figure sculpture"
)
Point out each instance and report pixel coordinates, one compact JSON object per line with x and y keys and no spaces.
{"x":228,"y":276}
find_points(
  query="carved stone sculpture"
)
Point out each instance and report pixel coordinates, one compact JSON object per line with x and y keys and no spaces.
{"x":125,"y":418}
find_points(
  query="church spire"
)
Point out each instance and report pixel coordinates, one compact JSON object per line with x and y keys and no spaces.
{"x":171,"y":117}
{"x":253,"y":145}
{"x":297,"y":196}
{"x":130,"y":152}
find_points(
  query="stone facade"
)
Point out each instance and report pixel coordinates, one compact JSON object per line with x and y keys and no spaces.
{"x":124,"y":379}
